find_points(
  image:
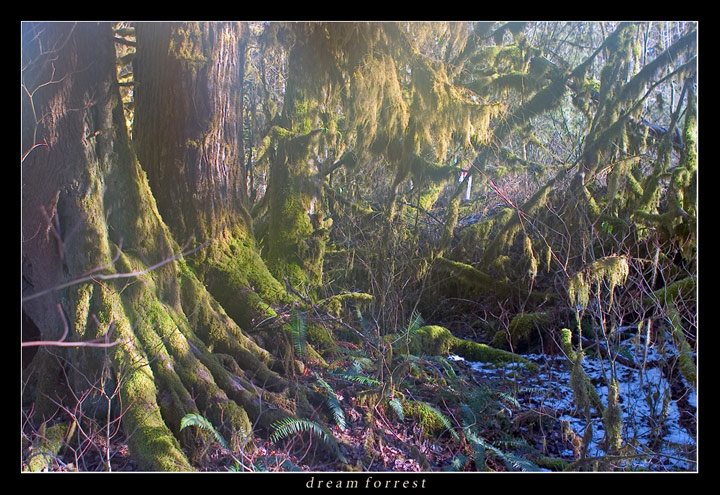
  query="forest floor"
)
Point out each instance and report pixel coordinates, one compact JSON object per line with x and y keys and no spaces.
{"x":533,"y":416}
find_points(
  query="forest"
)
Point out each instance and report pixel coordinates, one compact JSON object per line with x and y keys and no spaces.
{"x":359,"y":247}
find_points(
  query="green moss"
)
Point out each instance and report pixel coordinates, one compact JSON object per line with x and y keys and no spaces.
{"x":684,"y":288}
{"x":335,"y":304}
{"x":468,"y":281}
{"x":432,"y":421}
{"x":475,"y":238}
{"x":613,"y":270}
{"x":428,"y":198}
{"x":238,"y":278}
{"x":686,"y":362}
{"x":436,"y":340}
{"x":48,"y":444}
{"x":473,"y":351}
{"x":612,"y":419}
{"x":177,"y":370}
{"x":320,"y":337}
{"x":551,"y":463}
{"x":152,"y":444}
{"x":523,"y":329}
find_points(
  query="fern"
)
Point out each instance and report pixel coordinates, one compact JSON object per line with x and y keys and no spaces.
{"x":480,"y":445}
{"x":415,"y":323}
{"x":362,"y":379}
{"x":457,"y":463}
{"x":193,"y":419}
{"x":333,"y":402}
{"x":287,"y":427}
{"x":298,"y":332}
{"x":397,"y":407}
{"x":509,"y":398}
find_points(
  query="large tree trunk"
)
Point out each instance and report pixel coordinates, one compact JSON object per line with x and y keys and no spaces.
{"x":99,"y":261}
{"x":188,"y":136}
{"x":295,"y":234}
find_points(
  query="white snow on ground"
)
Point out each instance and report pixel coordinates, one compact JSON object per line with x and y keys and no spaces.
{"x":650,"y":416}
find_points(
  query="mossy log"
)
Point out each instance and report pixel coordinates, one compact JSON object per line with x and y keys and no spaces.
{"x":468,"y":281}
{"x":684,"y":288}
{"x":438,"y":341}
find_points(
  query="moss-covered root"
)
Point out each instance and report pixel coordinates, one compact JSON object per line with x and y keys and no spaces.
{"x":48,"y":444}
{"x":436,"y":340}
{"x":151,"y":442}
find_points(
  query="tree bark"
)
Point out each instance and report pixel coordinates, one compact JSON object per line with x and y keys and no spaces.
{"x":188,"y":128}
{"x":98,"y":261}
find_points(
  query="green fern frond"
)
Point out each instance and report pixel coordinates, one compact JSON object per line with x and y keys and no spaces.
{"x":416,"y":322}
{"x":396,"y":406}
{"x":457,"y":463}
{"x":512,"y":461}
{"x":361,"y":363}
{"x":193,"y":419}
{"x":333,"y":402}
{"x":298,"y":332}
{"x":361,"y":379}
{"x":520,"y":463}
{"x":509,"y":398}
{"x":288,"y":427}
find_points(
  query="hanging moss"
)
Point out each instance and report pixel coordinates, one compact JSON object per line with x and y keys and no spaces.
{"x":472,"y":281}
{"x":584,"y":391}
{"x":504,"y":239}
{"x":529,"y":257}
{"x":612,"y":419}
{"x":613,"y":270}
{"x":474,"y":239}
{"x":428,"y":198}
{"x":689,"y":156}
{"x":686,"y":362}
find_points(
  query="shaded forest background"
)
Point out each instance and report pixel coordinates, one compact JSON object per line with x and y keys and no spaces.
{"x":254,"y":246}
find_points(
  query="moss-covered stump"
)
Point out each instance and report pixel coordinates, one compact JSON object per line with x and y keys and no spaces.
{"x":522,"y":332}
{"x":437,"y":341}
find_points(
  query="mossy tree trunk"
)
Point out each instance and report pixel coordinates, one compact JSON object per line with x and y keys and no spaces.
{"x":295,"y":234}
{"x":188,"y":128}
{"x":99,"y":261}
